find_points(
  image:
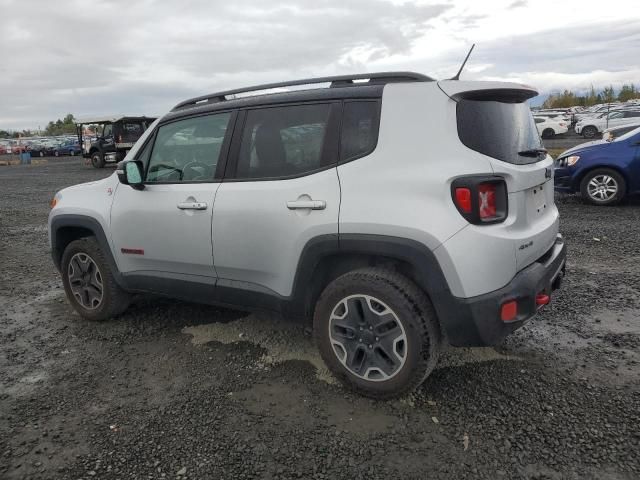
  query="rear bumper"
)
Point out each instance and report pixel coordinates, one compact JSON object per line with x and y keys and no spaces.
{"x":476,"y":321}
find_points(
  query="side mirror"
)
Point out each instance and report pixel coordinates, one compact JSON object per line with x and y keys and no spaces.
{"x":130,"y":173}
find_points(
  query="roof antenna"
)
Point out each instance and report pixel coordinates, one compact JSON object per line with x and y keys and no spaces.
{"x":457,"y":76}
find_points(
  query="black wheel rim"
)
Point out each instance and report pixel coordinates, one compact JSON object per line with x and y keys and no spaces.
{"x":368,"y":338}
{"x":85,"y":281}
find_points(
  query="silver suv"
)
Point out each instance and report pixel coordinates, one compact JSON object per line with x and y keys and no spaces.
{"x":396,"y":212}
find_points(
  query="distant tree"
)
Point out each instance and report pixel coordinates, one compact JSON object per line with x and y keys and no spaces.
{"x":628,"y":92}
{"x":608,"y":95}
{"x":61,"y":126}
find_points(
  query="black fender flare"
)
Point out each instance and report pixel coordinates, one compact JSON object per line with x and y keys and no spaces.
{"x":426,"y":268}
{"x":58,"y":244}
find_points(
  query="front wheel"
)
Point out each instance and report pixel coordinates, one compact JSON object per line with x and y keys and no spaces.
{"x":377,"y":332}
{"x":97,"y":160}
{"x":589,"y":131}
{"x":89,"y":283}
{"x":603,"y":186}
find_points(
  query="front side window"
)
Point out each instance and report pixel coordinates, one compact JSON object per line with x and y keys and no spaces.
{"x":359,"y":129}
{"x":188,"y":150}
{"x":283,"y":141}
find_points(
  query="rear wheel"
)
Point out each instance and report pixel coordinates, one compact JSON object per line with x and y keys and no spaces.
{"x":71,"y":152}
{"x":97,"y":160}
{"x":589,"y":131}
{"x":548,"y":133}
{"x":603,"y":186}
{"x":377,"y":332}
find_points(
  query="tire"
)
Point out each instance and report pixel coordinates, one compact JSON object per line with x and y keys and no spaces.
{"x":597,"y":187}
{"x":97,"y":160}
{"x":589,"y":131}
{"x":548,"y":133}
{"x":410,"y":332}
{"x":112,"y":299}
{"x":71,"y":153}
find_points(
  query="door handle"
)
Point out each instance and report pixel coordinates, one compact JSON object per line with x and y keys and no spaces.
{"x":310,"y":204}
{"x":192,"y":206}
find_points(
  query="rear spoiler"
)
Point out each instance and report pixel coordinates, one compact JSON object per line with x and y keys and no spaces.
{"x":489,"y":91}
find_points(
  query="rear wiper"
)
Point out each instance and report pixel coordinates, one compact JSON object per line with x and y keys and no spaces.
{"x":534,"y":152}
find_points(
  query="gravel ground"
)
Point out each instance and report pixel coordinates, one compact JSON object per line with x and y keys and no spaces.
{"x":175,"y":390}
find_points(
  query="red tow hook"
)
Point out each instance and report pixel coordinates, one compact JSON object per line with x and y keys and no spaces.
{"x":542,"y":299}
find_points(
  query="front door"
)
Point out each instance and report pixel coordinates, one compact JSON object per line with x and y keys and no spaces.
{"x":281,"y":190}
{"x":165,"y":228}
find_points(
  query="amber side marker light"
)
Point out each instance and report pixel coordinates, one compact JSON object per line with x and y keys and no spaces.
{"x":53,"y":202}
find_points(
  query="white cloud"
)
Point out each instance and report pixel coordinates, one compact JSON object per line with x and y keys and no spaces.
{"x":146,"y":55}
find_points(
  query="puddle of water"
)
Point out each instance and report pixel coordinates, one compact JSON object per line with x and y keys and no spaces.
{"x":283,"y":340}
{"x":287,"y":341}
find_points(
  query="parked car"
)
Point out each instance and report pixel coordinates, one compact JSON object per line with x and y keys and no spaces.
{"x":549,"y":128}
{"x":590,"y":126}
{"x":355,"y":205}
{"x":40,"y":149}
{"x":69,"y":148}
{"x":614,"y":132}
{"x":603,"y":172}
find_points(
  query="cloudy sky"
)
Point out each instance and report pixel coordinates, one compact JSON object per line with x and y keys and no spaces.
{"x":144,"y":56}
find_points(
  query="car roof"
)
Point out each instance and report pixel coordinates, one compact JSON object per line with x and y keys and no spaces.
{"x":364,"y":85}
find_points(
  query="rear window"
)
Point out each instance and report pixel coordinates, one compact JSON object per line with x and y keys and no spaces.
{"x":499,"y":130}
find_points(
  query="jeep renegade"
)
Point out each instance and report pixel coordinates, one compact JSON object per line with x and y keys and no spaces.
{"x":397,"y":213}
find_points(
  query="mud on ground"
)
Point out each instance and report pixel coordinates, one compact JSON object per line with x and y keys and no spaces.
{"x":175,"y":390}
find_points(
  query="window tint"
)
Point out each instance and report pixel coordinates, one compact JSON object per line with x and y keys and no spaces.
{"x":632,"y":114}
{"x":498,"y":129}
{"x":283,"y":141}
{"x":188,"y":150}
{"x":359,"y":129}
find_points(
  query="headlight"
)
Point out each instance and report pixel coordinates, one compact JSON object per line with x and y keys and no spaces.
{"x":572,"y":160}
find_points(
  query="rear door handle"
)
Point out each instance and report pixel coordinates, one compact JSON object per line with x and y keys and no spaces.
{"x":192,"y":206}
{"x":310,"y":204}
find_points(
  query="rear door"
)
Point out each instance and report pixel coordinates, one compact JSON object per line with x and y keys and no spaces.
{"x":498,"y":123}
{"x":280,"y":190}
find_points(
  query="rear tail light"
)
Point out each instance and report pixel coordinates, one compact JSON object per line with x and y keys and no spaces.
{"x":480,"y":199}
{"x":463,"y":199}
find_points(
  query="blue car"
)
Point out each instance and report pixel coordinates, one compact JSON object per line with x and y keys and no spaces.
{"x":72,"y":148}
{"x":604,"y":172}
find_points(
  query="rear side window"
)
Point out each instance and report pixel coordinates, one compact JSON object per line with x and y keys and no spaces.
{"x":359,"y":129}
{"x":504,"y":131}
{"x":284,"y":141}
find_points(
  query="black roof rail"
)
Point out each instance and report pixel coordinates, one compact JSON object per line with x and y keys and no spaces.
{"x":335,"y":81}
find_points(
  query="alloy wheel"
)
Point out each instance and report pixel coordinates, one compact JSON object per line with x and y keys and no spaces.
{"x":85,"y":281}
{"x":602,"y":188}
{"x":368,"y":338}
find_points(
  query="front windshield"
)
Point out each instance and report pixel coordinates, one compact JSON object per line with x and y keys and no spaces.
{"x":622,"y":138}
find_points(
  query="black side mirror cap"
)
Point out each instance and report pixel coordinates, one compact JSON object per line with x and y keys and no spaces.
{"x":131,"y":173}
